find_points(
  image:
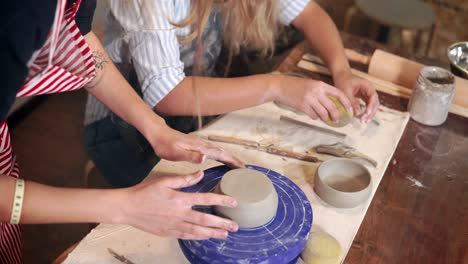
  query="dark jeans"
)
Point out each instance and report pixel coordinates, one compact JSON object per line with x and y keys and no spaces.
{"x":122,"y":154}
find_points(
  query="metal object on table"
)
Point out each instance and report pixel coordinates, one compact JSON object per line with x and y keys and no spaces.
{"x":316,"y":128}
{"x":457,"y":54}
{"x":265,"y":148}
{"x":432,"y":96}
{"x":345,"y":151}
{"x":119,"y":257}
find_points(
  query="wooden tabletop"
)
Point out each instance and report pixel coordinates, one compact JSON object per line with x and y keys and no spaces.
{"x":420,"y":211}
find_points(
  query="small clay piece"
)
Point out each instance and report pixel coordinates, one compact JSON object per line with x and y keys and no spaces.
{"x":321,"y":248}
{"x":343,"y":183}
{"x":256,"y":196}
{"x":345,"y":116}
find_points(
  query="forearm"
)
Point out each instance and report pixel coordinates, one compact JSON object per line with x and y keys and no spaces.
{"x":46,"y":204}
{"x":323,"y":37}
{"x":218,"y":95}
{"x":111,"y":88}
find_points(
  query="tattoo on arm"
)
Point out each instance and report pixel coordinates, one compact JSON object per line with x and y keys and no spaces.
{"x":99,"y":62}
{"x":99,"y":59}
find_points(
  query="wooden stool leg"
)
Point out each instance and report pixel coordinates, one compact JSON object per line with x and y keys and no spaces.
{"x":407,"y":40}
{"x":429,"y":40}
{"x":350,"y":13}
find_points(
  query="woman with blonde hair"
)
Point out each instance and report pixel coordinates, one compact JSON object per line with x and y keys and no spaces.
{"x":172,"y":46}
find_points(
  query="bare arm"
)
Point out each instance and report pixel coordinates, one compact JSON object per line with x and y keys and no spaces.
{"x":46,"y":204}
{"x":217,"y":95}
{"x":154,"y":206}
{"x":113,"y":90}
{"x":322,"y":36}
{"x":222,"y":95}
{"x":165,"y":211}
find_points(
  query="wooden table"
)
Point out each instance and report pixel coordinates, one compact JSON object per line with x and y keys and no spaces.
{"x":420,"y":211}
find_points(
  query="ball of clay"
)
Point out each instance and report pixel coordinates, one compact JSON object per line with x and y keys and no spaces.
{"x":255,"y":194}
{"x":321,"y":248}
{"x":345,"y":116}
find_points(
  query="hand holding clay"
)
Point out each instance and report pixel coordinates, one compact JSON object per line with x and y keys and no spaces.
{"x":157,"y":207}
{"x":312,"y":97}
{"x":176,"y":146}
{"x":355,"y":88}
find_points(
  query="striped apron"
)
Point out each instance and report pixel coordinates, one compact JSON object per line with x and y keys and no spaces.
{"x":64,"y":63}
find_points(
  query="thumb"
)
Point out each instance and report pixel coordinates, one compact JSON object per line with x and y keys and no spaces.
{"x":354,"y":103}
{"x":186,"y":154}
{"x":177,"y":182}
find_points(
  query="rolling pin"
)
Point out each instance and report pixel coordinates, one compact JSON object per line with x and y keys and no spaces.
{"x":404,"y":72}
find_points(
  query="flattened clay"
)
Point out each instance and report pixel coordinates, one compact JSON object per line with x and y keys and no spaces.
{"x":321,"y":248}
{"x":345,"y":116}
{"x":256,"y":196}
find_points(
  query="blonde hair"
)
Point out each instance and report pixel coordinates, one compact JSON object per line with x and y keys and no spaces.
{"x":251,"y":24}
{"x":246,"y":23}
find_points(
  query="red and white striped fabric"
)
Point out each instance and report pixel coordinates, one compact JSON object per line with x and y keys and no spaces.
{"x":64,"y":63}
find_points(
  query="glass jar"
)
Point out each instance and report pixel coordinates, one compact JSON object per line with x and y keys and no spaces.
{"x":432,"y":96}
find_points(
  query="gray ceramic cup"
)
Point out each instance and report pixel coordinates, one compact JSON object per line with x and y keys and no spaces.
{"x":255,"y":194}
{"x":343,"y":183}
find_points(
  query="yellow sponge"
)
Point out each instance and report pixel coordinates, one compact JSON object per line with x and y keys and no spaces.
{"x":321,"y":248}
{"x":345,"y":116}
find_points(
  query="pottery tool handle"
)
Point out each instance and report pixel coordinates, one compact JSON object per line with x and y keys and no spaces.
{"x":355,"y":56}
{"x":271,"y":150}
{"x":316,"y":128}
{"x":233,"y":140}
{"x":119,"y":257}
{"x":290,"y":154}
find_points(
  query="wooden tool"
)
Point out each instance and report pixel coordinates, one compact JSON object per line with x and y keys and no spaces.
{"x":316,"y":128}
{"x":269,"y":149}
{"x":345,"y":151}
{"x":355,"y":56}
{"x":120,"y":258}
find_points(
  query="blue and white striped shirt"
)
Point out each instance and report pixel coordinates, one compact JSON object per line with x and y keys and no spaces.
{"x":150,"y":44}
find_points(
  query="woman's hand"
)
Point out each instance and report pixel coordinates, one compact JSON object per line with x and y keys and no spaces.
{"x":176,"y":146}
{"x":310,"y":97}
{"x":354,"y":88}
{"x":156,"y":206}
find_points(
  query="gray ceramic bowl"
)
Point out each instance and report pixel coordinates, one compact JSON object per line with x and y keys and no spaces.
{"x":343,"y":183}
{"x":458,"y":57}
{"x":255,"y":194}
